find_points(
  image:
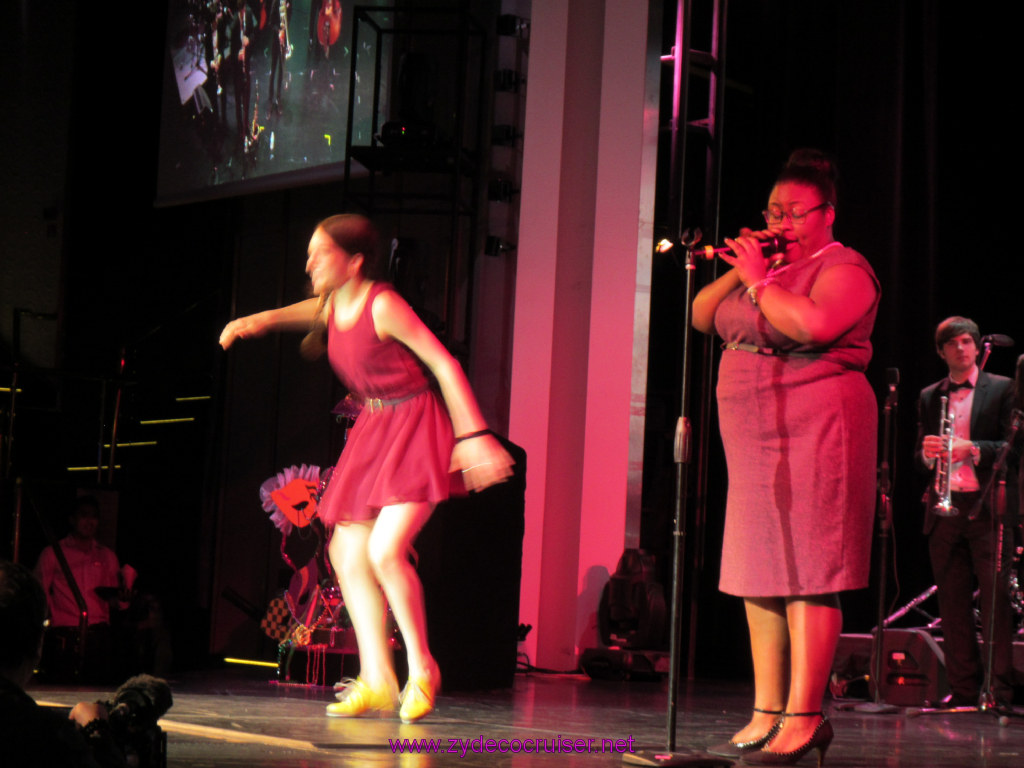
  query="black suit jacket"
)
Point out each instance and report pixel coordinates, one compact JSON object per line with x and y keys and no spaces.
{"x":991,"y":417}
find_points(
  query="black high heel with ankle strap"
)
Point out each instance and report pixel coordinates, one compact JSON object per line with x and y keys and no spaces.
{"x":820,"y":740}
{"x":736,"y":748}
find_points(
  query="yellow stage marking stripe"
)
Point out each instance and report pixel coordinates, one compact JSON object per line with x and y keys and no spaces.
{"x":237,"y":737}
{"x":220,"y":734}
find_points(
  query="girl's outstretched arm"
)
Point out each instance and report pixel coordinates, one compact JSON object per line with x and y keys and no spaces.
{"x":294,"y":317}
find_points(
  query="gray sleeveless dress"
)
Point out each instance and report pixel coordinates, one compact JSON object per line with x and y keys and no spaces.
{"x":800,"y":434}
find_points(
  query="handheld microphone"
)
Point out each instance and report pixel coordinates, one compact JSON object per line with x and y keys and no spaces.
{"x":892,"y":378}
{"x":769,"y":246}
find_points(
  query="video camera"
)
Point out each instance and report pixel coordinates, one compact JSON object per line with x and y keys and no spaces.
{"x":133,"y":712}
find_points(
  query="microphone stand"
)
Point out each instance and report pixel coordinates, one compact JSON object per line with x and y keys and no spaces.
{"x":899,"y":613}
{"x":669,"y":756}
{"x":986,"y":350}
{"x":879,"y":706}
{"x":987,"y":701}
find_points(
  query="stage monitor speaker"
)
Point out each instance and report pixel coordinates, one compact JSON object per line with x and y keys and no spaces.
{"x":913,"y":668}
{"x":470,"y":562}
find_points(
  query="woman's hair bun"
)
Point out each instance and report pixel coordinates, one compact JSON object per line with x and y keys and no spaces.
{"x":812,"y":167}
{"x":813,"y":159}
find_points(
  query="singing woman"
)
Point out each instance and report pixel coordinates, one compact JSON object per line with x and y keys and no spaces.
{"x":798,"y":421}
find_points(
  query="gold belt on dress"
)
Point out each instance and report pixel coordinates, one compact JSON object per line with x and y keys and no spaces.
{"x":378,"y":403}
{"x":764,"y":350}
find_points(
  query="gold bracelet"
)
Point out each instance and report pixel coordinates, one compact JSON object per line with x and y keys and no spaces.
{"x":752,"y":290}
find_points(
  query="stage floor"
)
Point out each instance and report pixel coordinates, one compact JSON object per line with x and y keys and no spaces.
{"x":237,"y":717}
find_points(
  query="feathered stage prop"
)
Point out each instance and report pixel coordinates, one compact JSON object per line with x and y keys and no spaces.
{"x":290,"y":497}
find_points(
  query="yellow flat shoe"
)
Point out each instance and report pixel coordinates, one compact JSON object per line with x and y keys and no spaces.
{"x":418,"y":696}
{"x":357,"y":698}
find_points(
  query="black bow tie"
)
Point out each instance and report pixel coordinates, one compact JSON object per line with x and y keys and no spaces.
{"x":953,"y":386}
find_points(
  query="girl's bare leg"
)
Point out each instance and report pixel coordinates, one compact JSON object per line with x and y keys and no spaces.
{"x":363,"y":601}
{"x":388,"y":552}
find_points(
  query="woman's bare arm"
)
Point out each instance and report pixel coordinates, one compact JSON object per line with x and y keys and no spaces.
{"x":294,"y":317}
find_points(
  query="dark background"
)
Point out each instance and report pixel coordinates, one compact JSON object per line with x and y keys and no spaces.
{"x":910,"y":97}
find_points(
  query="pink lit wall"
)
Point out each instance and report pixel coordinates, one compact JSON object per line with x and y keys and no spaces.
{"x":580,"y":329}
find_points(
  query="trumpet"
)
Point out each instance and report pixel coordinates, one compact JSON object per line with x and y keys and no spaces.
{"x":944,"y":464}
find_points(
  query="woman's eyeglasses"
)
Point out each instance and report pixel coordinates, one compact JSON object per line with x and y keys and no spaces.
{"x":774,"y":214}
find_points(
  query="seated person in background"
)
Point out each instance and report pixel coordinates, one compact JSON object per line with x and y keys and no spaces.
{"x":100,"y":580}
{"x":29,"y":734}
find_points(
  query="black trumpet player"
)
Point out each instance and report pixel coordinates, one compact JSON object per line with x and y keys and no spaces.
{"x":963,"y":422}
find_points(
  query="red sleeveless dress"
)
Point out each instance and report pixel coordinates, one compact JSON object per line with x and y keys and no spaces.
{"x":399,"y":449}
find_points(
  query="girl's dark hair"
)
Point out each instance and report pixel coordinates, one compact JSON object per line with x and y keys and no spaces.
{"x":813,"y":168}
{"x":356,"y":235}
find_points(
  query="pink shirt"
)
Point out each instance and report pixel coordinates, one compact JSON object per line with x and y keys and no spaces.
{"x":92,"y":565}
{"x":963,"y":477}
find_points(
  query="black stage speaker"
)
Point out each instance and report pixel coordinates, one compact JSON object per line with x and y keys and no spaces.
{"x":470,"y":562}
{"x":913,"y":668}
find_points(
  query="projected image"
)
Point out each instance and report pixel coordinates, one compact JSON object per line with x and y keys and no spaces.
{"x":258,"y":90}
